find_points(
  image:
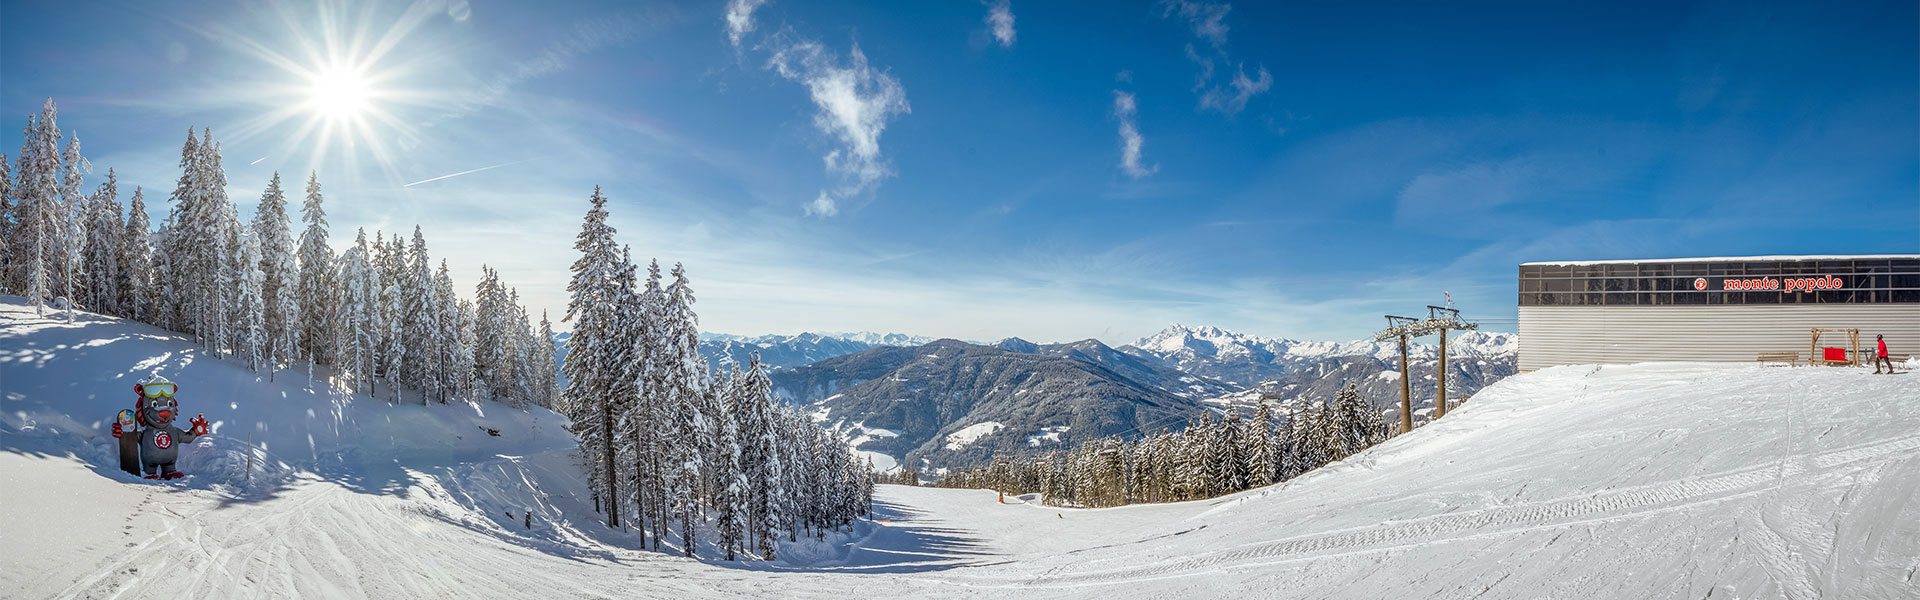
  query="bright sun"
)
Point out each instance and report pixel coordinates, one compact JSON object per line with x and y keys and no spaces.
{"x":339,"y":93}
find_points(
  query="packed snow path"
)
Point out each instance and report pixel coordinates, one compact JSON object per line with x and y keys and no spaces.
{"x":1645,"y":481}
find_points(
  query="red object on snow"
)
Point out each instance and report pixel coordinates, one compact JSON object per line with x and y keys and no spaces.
{"x":1835,"y":354}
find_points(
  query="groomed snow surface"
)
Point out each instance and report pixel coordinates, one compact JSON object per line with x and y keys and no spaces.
{"x":1645,"y":481}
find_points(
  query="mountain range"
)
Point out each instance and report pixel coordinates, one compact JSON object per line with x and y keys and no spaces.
{"x":936,"y":404}
{"x":726,"y":350}
{"x":951,"y":403}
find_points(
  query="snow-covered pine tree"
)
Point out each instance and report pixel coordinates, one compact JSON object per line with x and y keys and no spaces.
{"x":520,"y":355}
{"x":1206,"y":468}
{"x":449,"y":347}
{"x":623,"y":346}
{"x":279,"y":288}
{"x":38,"y":187}
{"x":199,"y":245}
{"x":250,"y":308}
{"x":731,"y":503}
{"x":1314,"y":447}
{"x":7,"y":232}
{"x":489,"y":350}
{"x":233,"y":273}
{"x":465,"y":381}
{"x":1360,"y":427}
{"x":100,"y":257}
{"x":590,"y":369}
{"x":547,"y":361}
{"x":421,"y":335}
{"x":1263,"y":459}
{"x":317,"y":288}
{"x":136,"y":261}
{"x":73,"y":209}
{"x":359,"y":325}
{"x":391,"y":272}
{"x":649,"y":415}
{"x":1231,"y":451}
{"x":772,"y":503}
{"x":1333,"y":438}
{"x":685,"y":372}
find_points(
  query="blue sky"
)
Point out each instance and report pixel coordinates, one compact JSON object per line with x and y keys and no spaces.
{"x":1081,"y":170}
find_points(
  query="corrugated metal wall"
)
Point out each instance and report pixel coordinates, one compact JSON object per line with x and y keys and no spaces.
{"x":1563,"y":335}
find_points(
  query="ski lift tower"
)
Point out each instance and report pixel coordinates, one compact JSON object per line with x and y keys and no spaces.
{"x":1440,"y":319}
{"x":1402,"y":328}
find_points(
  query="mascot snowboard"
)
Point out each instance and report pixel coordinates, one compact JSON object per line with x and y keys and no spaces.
{"x":160,"y":441}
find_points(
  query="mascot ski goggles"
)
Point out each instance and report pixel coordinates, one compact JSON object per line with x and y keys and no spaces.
{"x":157,"y":390}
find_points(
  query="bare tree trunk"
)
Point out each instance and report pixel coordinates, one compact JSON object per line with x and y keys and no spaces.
{"x":612,"y":482}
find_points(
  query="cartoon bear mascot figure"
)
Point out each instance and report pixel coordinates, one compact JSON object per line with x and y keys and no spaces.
{"x":160,"y":441}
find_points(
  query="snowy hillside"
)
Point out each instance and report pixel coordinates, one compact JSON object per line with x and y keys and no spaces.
{"x":1644,"y":481}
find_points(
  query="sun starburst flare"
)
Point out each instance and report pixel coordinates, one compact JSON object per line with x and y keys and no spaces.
{"x":335,"y":92}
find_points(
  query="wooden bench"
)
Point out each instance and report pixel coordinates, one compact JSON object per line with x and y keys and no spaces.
{"x":1790,"y":358}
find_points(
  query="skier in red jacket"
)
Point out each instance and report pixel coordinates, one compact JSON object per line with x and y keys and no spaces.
{"x":1880,"y":355}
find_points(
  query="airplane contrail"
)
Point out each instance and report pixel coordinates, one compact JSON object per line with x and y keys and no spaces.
{"x":257,"y":160}
{"x":466,"y":172}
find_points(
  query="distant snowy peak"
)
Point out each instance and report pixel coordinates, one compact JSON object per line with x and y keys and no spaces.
{"x":1181,"y":343}
{"x":863,"y":337}
{"x":725,"y":351}
{"x":883,"y":339}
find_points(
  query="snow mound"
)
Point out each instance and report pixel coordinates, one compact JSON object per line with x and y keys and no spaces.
{"x":966,"y":436}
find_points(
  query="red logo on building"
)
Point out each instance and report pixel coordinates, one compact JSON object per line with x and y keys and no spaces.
{"x":163,"y":440}
{"x":1700,"y":283}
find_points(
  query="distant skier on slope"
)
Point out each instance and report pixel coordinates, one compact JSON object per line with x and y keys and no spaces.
{"x":159,"y":439}
{"x":1880,"y":355}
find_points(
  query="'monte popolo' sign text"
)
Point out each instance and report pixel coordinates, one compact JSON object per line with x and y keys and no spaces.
{"x":1787,"y":284}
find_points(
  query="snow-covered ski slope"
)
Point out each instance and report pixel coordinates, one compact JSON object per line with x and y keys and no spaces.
{"x":1644,"y":481}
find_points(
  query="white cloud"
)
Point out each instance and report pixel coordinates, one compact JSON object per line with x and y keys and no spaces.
{"x":740,"y":18}
{"x":853,"y":102}
{"x":1243,"y":89}
{"x":1132,"y":144}
{"x":1208,"y":22}
{"x":1000,"y":19}
{"x":822,"y":206}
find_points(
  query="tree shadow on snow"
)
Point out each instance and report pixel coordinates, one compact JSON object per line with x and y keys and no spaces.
{"x":894,"y":540}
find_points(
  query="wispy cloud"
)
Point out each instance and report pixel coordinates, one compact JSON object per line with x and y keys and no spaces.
{"x":853,"y":104}
{"x":1000,"y":21}
{"x":1208,"y":22}
{"x":740,"y":18}
{"x":822,"y":206}
{"x":1132,"y":145}
{"x":1241,"y":88}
